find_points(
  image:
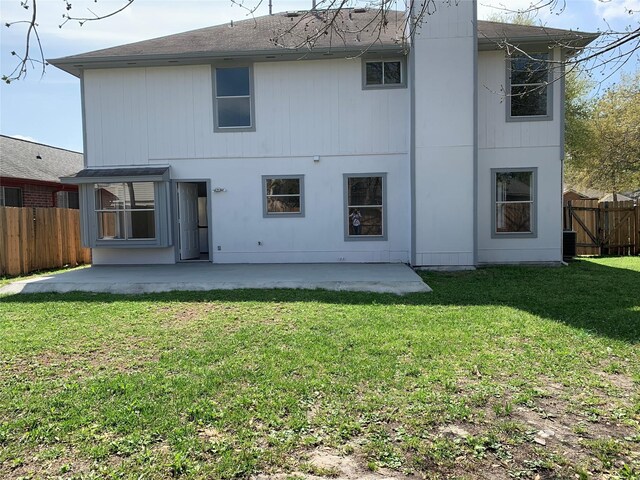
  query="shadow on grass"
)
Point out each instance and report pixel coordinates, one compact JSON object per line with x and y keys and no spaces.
{"x":587,"y":295}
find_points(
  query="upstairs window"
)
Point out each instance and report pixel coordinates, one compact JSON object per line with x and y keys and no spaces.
{"x":529,"y":87}
{"x":233,"y":99}
{"x":384,"y":73}
{"x":514,"y":202}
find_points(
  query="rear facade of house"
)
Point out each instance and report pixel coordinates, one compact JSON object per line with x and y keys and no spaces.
{"x":438,"y":151}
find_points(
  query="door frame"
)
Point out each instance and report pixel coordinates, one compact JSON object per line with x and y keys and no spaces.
{"x":176,"y":225}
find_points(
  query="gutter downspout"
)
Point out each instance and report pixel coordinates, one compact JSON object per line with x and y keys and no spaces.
{"x":562,"y":149}
{"x":412,"y":140}
{"x":475,"y":133}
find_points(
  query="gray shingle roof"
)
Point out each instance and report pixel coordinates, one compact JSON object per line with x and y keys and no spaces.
{"x":352,"y":31}
{"x":108,"y":175}
{"x":268,"y":33}
{"x":19,"y":159}
{"x":496,"y":31}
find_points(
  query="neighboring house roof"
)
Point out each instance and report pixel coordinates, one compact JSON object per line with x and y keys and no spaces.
{"x":304,"y":35}
{"x":634,"y":194}
{"x":621,"y":198}
{"x":586,"y":193}
{"x":591,"y":194}
{"x":35,"y":161}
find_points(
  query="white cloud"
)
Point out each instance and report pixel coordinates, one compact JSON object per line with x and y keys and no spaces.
{"x":143,"y":19}
{"x":618,"y":10}
{"x":24,"y":137}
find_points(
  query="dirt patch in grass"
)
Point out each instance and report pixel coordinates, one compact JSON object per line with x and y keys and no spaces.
{"x":176,"y":315}
{"x":46,"y":463}
{"x":82,"y":364}
{"x":544,"y":439}
{"x":324,"y":463}
{"x":618,"y":380}
{"x":235,"y":316}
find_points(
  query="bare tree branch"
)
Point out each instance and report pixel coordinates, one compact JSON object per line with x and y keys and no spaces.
{"x":82,"y":20}
{"x":331,"y":20}
{"x":26,"y":59}
{"x":20,"y":71}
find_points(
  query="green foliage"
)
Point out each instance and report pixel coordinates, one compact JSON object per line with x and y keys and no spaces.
{"x":579,"y":106}
{"x":603,"y":137}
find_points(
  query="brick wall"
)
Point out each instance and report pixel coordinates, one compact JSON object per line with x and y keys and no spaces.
{"x":35,"y":195}
{"x":38,"y":196}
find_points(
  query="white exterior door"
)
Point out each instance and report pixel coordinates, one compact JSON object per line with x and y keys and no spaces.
{"x":188,"y":220}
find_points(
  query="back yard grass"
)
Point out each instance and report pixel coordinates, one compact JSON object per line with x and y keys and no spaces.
{"x":499,"y":373}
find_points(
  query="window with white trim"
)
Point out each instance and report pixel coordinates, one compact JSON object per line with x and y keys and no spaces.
{"x":10,"y":197}
{"x":529,"y":86}
{"x":365,"y":198}
{"x":233,"y":98}
{"x":384,"y":73}
{"x":67,"y":199}
{"x":514,"y":202}
{"x":125,"y":211}
{"x":283,"y":195}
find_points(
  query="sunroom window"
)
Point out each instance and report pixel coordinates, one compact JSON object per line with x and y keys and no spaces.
{"x":125,"y":211}
{"x":124,"y":207}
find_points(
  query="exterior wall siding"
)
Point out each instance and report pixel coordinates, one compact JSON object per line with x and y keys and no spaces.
{"x":238,"y":223}
{"x":303,"y":110}
{"x":139,"y":115}
{"x":444,"y":136}
{"x":308,"y":109}
{"x":522,"y":144}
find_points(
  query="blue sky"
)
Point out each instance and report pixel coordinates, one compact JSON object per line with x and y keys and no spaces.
{"x":47,"y":109}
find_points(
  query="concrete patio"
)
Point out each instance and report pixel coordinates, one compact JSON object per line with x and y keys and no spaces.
{"x":380,"y":278}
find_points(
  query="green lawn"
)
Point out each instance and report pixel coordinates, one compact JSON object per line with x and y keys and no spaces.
{"x":499,"y":373}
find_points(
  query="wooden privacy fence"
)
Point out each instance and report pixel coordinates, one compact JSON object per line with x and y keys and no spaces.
{"x":606,"y":228}
{"x":39,"y":238}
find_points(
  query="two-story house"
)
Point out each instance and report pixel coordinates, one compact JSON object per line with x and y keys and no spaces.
{"x":239,"y":143}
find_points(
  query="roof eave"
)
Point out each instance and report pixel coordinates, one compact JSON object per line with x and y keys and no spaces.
{"x":7,"y":180}
{"x":573,"y":43}
{"x":75,"y":64}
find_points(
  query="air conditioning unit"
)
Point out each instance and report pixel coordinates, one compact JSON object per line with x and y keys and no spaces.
{"x":569,"y":241}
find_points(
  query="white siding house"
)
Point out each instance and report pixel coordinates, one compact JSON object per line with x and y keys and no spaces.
{"x":218,"y":145}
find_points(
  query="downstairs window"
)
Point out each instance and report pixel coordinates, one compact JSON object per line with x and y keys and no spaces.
{"x":283,"y":196}
{"x":514,"y":202}
{"x":365,"y":207}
